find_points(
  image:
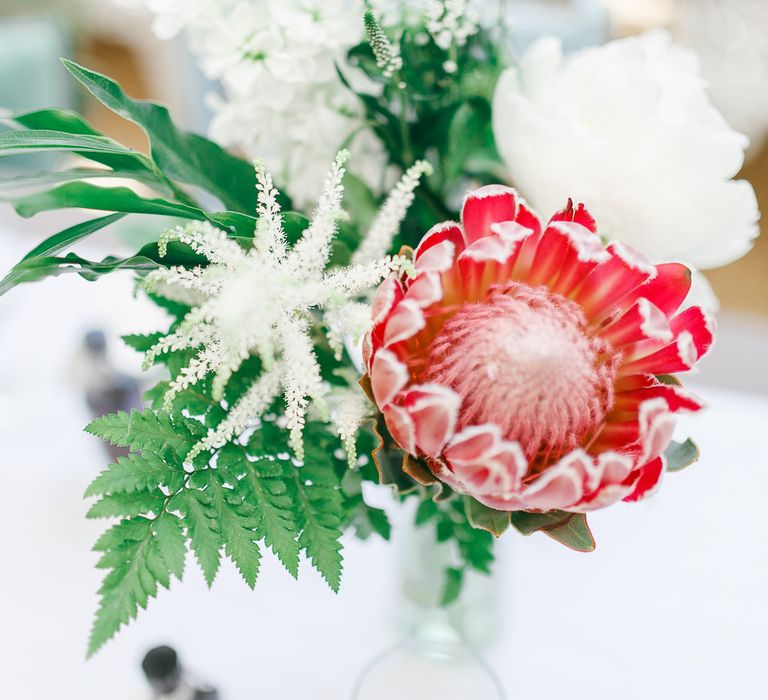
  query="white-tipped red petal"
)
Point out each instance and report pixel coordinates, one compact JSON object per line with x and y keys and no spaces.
{"x":678,"y":356}
{"x":557,"y":245}
{"x":485,"y":262}
{"x":579,"y":215}
{"x":485,"y":206}
{"x":400,"y":427}
{"x":388,"y":377}
{"x":657,"y":426}
{"x":448,"y":231}
{"x":669,"y":288}
{"x":434,"y":410}
{"x":611,"y":281}
{"x":648,"y":481}
{"x":643,"y":321}
{"x":404,"y":322}
{"x":677,"y":398}
{"x":473,"y":443}
{"x":560,"y":486}
{"x":699,"y":324}
{"x":438,"y":258}
{"x":425,"y":290}
{"x":480,"y":458}
{"x":389,"y":293}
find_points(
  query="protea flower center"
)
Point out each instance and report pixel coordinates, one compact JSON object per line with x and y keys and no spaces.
{"x":528,"y":350}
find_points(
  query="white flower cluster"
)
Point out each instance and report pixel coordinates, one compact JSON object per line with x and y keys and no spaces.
{"x":450,"y":22}
{"x":261,"y":301}
{"x":283,"y":100}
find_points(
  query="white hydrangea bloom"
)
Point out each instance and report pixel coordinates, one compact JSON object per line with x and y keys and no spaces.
{"x":260,"y":301}
{"x":283,"y":100}
{"x":628,"y":129}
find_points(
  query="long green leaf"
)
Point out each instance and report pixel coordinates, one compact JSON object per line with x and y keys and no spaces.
{"x":29,"y":266}
{"x":23,"y":141}
{"x":181,"y":155}
{"x":18,"y":186}
{"x":65,"y":238}
{"x":145,"y":260}
{"x":85,"y":195}
{"x":62,"y":120}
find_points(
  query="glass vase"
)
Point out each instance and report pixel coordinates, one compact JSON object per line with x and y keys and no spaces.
{"x":439,"y":654}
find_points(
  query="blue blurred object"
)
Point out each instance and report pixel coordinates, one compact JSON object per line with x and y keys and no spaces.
{"x":578,"y":23}
{"x":31,"y":76}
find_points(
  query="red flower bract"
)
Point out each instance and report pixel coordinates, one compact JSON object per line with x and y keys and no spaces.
{"x":523,"y":364}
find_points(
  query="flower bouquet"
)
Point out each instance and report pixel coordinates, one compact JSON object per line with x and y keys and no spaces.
{"x":359,"y":295}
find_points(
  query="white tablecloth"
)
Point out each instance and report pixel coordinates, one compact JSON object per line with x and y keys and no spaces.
{"x":673,"y":604}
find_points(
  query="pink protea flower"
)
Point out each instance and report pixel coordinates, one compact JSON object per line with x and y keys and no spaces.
{"x":523,"y":364}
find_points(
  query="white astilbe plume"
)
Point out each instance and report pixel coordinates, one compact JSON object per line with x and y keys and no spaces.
{"x":348,"y":321}
{"x":378,"y":241}
{"x":450,"y":22}
{"x":349,"y":409}
{"x":253,"y":404}
{"x":260,"y":301}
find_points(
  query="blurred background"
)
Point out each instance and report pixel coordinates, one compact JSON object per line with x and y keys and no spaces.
{"x":61,"y":362}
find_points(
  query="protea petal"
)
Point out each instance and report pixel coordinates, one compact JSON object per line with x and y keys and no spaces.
{"x":400,"y":427}
{"x":486,"y":206}
{"x":388,"y":377}
{"x":404,"y":322}
{"x":611,"y":281}
{"x":648,"y":480}
{"x":557,"y":488}
{"x":578,"y":215}
{"x":449,"y":231}
{"x":669,"y":288}
{"x":434,"y":411}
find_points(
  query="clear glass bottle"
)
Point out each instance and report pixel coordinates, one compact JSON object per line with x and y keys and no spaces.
{"x":439,"y":655}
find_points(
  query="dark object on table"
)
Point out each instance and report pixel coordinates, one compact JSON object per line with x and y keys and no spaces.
{"x":108,"y":390}
{"x":167,"y":677}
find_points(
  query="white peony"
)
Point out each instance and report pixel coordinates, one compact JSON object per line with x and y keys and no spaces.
{"x":628,"y":129}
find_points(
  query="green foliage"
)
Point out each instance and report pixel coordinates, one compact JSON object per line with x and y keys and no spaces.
{"x":145,"y":430}
{"x":680,"y":455}
{"x":570,"y":529}
{"x":232,"y":502}
{"x":484,"y":518}
{"x":437,"y":106}
{"x":182,"y":156}
{"x":180,"y":164}
{"x":474,"y":547}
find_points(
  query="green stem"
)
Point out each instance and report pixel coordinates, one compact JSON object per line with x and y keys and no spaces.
{"x":405,"y":132}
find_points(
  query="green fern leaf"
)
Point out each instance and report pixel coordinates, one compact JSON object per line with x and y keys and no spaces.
{"x":125,"y":505}
{"x":202,"y":522}
{"x":322,"y":501}
{"x":149,"y":558}
{"x":272,"y":491}
{"x":141,"y":343}
{"x":137,"y":473}
{"x":240,"y":528}
{"x":143,"y":431}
